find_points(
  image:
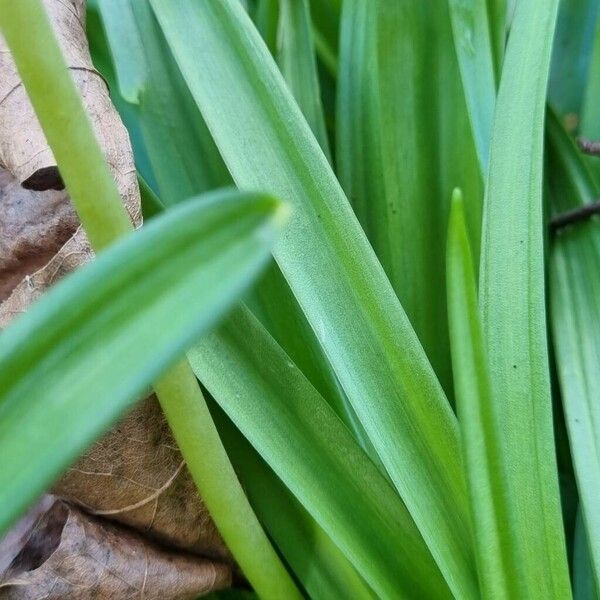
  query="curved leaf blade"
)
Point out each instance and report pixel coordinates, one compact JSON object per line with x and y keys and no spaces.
{"x":185,"y":163}
{"x":297,"y":62}
{"x":513,"y":306}
{"x":574,"y":301}
{"x":312,"y":452}
{"x":316,"y":561}
{"x":89,"y":348}
{"x":403,"y":140}
{"x":189,"y":163}
{"x":476,"y":408}
{"x":331,"y":269}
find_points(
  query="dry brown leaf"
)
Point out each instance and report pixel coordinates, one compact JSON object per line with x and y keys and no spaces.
{"x":135,"y":475}
{"x":33,"y":227}
{"x":12,"y":543}
{"x":69,"y":554}
{"x":23,"y":148}
{"x":24,"y":152}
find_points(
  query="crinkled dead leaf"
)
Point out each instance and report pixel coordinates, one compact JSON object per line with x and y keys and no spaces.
{"x":45,"y":220}
{"x":23,"y":148}
{"x":70,"y":554}
{"x":136,"y":475}
{"x":33,"y":227}
{"x":14,"y":541}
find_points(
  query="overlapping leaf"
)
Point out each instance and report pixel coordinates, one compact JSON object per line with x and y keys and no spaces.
{"x":186,"y":162}
{"x":477,"y":413}
{"x":284,"y":418}
{"x":575,"y":298}
{"x":513,"y":307}
{"x":87,"y":350}
{"x":333,"y":272}
{"x":271,"y":299}
{"x":189,"y":163}
{"x":403,"y":144}
{"x":317,"y":562}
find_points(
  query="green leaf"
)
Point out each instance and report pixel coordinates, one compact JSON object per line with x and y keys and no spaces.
{"x":403,"y":140}
{"x":185,"y":163}
{"x":590,"y":113}
{"x":206,"y":459}
{"x":326,"y":23}
{"x":278,"y":308}
{"x":324,"y":571}
{"x":266,"y":17}
{"x":105,"y":219}
{"x":122,"y":33}
{"x":331,"y":269}
{"x":311,"y":451}
{"x":79,"y":357}
{"x":189,"y":163}
{"x":64,"y":120}
{"x":296,"y":59}
{"x":584,"y":587}
{"x":473,"y":29}
{"x":513,"y":307}
{"x":571,"y":57}
{"x":316,"y":561}
{"x":151,"y":204}
{"x":574,"y":293}
{"x":477,"y":415}
{"x":101,"y":58}
{"x":272,"y":301}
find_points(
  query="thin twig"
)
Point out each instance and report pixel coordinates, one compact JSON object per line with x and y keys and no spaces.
{"x":576,"y":215}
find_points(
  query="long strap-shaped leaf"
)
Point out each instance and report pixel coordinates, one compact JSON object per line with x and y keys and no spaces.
{"x":87,"y":350}
{"x":403,"y":144}
{"x":96,"y":199}
{"x":474,"y":29}
{"x":309,"y":448}
{"x":571,"y":58}
{"x":189,"y":163}
{"x":477,"y":410}
{"x":297,"y":62}
{"x":590,"y":113}
{"x":331,"y":268}
{"x":513,"y":310}
{"x":575,"y":317}
{"x":149,"y":79}
{"x":317,"y":562}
